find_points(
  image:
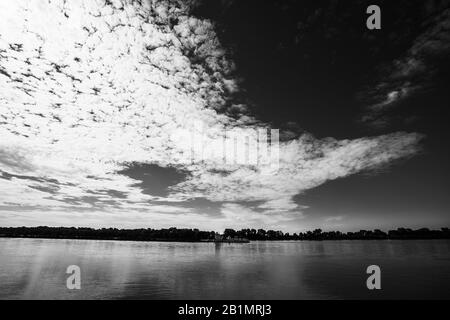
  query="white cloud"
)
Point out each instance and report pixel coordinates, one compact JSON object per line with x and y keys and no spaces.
{"x":87,"y":88}
{"x":334,"y":219}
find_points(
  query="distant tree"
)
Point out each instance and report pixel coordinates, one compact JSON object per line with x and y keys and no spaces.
{"x":229,"y":233}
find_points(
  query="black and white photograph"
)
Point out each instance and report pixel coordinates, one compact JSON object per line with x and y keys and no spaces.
{"x":224,"y":150}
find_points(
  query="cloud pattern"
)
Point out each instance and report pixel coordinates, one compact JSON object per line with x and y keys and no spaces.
{"x":90,"y":87}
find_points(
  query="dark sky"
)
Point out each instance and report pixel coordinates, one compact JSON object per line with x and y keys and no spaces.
{"x":313,"y":63}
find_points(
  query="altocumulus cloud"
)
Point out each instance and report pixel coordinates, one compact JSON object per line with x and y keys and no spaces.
{"x":89,"y":88}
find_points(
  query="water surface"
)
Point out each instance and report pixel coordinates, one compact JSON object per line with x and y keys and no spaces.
{"x":36,"y":269}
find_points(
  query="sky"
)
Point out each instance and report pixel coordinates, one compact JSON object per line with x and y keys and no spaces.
{"x":102,"y":101}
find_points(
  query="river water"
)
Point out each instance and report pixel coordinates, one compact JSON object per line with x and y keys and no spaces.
{"x":36,"y":269}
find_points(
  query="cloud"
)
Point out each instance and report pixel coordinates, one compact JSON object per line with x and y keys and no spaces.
{"x":89,"y":88}
{"x":411,"y":73}
{"x":334,"y":219}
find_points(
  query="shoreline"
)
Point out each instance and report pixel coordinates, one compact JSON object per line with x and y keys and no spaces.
{"x":229,"y":235}
{"x":215,"y":242}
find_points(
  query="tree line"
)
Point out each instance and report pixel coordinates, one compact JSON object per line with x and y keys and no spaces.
{"x":318,"y":234}
{"x":194,"y":235}
{"x":172,"y":234}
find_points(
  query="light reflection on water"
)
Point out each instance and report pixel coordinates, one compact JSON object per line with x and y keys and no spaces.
{"x":35,"y":269}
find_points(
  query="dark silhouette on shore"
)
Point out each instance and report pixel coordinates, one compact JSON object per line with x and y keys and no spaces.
{"x":172,"y":234}
{"x":195,"y":235}
{"x":318,"y":234}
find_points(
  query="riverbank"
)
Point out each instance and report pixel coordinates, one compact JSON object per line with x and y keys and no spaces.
{"x":230,"y":235}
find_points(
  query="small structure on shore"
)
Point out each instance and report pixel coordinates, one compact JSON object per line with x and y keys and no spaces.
{"x":219,"y":238}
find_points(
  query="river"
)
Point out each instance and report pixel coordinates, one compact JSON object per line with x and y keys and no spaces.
{"x":411,"y":269}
